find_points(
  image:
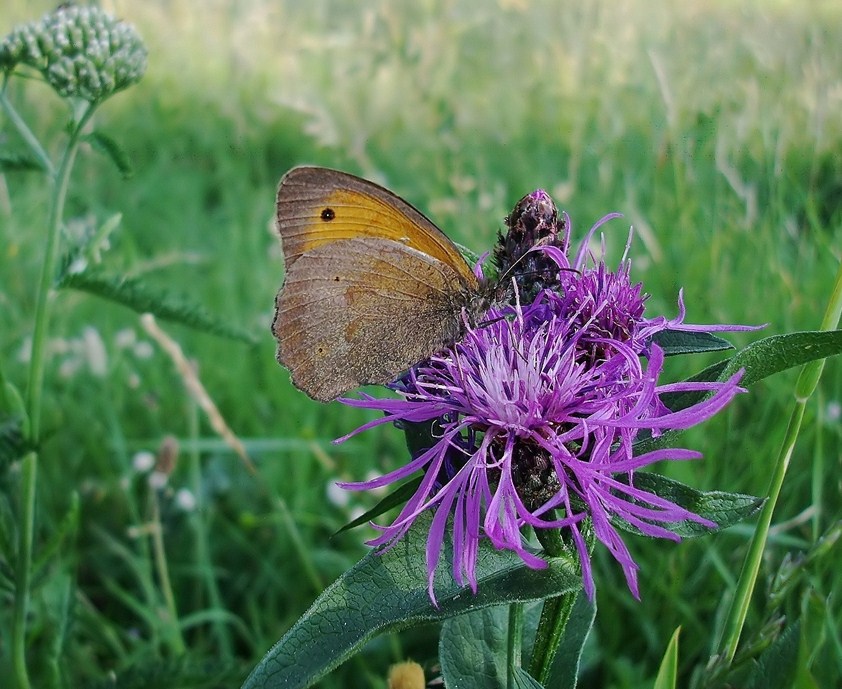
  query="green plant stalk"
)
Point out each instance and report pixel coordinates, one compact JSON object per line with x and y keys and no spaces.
{"x":804,"y":388}
{"x":26,"y":133}
{"x":555,"y":615}
{"x":29,"y":469}
{"x":554,"y":618}
{"x":514,"y":642}
{"x":48,"y":267}
{"x":203,"y":558}
{"x":36,"y":381}
{"x":292,"y":530}
{"x":160,"y":555}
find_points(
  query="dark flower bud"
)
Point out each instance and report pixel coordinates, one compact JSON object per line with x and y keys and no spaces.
{"x":534,"y":222}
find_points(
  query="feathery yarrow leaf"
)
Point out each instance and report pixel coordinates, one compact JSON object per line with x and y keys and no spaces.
{"x":140,"y":298}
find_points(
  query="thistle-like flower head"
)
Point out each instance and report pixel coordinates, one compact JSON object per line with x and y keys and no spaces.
{"x":536,"y":411}
{"x":82,"y":52}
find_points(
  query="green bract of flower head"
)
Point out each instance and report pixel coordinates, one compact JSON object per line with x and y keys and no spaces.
{"x":81,"y":52}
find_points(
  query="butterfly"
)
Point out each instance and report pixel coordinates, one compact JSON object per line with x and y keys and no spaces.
{"x":371,"y":288}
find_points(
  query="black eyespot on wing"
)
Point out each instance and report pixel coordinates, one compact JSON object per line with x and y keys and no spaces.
{"x":328,"y":214}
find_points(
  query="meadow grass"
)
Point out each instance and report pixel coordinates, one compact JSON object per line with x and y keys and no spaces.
{"x":714,"y":128}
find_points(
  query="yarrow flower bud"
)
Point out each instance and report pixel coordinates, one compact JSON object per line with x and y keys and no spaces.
{"x":537,"y":409}
{"x":81,"y":52}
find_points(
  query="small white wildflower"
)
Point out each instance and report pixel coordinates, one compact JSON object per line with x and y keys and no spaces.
{"x":95,"y":354}
{"x":125,"y":338}
{"x":25,"y":351}
{"x":77,"y":265}
{"x":82,"y":52}
{"x":185,"y":500}
{"x":833,"y":411}
{"x":69,"y":367}
{"x":143,"y":350}
{"x":337,"y":496}
{"x":143,"y":461}
{"x":158,"y":479}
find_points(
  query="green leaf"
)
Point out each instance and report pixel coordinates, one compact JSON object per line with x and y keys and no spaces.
{"x":472,"y":649}
{"x":668,"y":671}
{"x":60,"y":534}
{"x":419,"y":437}
{"x":777,"y":666}
{"x":675,"y":342}
{"x":393,"y":499}
{"x":764,"y":358}
{"x":19,"y":162}
{"x":138,"y":297}
{"x":388,"y":592}
{"x":726,"y":509}
{"x":523,"y":680}
{"x":112,"y":150}
{"x":12,"y":445}
{"x":760,"y":360}
{"x":564,"y":671}
{"x":472,"y":257}
{"x":14,"y":421}
{"x":780,"y":352}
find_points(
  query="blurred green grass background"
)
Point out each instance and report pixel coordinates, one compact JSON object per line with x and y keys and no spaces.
{"x":714,"y":127}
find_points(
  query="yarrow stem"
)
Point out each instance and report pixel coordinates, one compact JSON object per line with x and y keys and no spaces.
{"x":48,"y":267}
{"x":86,"y":56}
{"x":36,"y":383}
{"x":24,"y":131}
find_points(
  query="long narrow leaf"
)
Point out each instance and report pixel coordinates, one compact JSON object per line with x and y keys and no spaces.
{"x":668,"y":671}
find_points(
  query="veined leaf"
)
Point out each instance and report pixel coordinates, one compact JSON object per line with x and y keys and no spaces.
{"x":472,"y":649}
{"x":564,"y":671}
{"x":726,"y":509}
{"x":388,"y":592}
{"x":778,"y":665}
{"x":760,"y":360}
{"x":675,"y":342}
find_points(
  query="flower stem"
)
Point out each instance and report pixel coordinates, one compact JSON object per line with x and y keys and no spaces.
{"x":48,"y":267}
{"x":200,"y":518}
{"x":554,"y":618}
{"x":29,"y":469}
{"x":26,"y":133}
{"x":514,"y":642}
{"x":173,"y":629}
{"x":804,"y":388}
{"x":554,"y":615}
{"x":36,"y":380}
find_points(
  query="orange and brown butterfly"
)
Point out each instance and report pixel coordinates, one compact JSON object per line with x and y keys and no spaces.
{"x":371,"y":288}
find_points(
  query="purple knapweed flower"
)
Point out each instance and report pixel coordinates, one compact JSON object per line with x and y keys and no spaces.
{"x":537,"y":410}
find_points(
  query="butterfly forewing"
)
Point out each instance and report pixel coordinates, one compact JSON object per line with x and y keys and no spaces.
{"x":317,"y":206}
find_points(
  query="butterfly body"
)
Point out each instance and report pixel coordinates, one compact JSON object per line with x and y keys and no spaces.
{"x":371,"y":288}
